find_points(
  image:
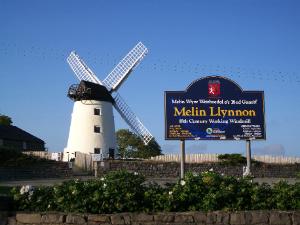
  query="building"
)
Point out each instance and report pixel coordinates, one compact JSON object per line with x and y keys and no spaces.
{"x":92,"y":129}
{"x":12,"y":137}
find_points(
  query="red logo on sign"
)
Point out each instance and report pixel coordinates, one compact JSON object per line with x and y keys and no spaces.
{"x":214,"y":88}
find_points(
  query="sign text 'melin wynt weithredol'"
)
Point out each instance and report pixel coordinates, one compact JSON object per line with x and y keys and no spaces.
{"x":214,"y":108}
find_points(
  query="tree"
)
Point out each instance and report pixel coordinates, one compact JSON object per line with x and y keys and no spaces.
{"x":5,"y":120}
{"x":132,"y":146}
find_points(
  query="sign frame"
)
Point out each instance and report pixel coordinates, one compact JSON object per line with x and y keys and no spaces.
{"x":238,"y":88}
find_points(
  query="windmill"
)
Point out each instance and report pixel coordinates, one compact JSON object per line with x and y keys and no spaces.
{"x":92,"y":128}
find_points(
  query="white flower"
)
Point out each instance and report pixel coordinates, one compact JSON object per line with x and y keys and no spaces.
{"x":104,"y":185}
{"x":211,"y":169}
{"x":170,"y":192}
{"x":136,"y":173}
{"x":102,"y":178}
{"x":22,"y":190}
{"x":49,"y":206}
{"x":30,"y":193}
{"x":195,"y":174}
{"x":73,"y":192}
{"x":182,"y":182}
{"x":25,"y":189}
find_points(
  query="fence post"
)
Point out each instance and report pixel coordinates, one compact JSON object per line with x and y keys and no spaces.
{"x":182,"y":159}
{"x":248,"y":154}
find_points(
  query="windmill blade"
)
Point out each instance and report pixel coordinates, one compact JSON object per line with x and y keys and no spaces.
{"x":125,"y":66}
{"x":131,"y":119}
{"x":82,"y":71}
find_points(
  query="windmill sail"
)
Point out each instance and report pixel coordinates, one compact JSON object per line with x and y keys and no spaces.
{"x":131,"y":119}
{"x":125,"y":66}
{"x":82,"y":71}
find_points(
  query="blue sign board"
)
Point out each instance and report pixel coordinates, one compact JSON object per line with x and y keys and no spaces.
{"x":214,"y":108}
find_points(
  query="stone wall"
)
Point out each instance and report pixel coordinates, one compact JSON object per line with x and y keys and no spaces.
{"x":48,"y":169}
{"x":172,"y":169}
{"x":190,"y":218}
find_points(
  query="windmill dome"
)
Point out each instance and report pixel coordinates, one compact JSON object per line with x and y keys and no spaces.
{"x":89,"y":91}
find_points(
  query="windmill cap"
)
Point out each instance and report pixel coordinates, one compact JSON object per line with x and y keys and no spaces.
{"x":89,"y":91}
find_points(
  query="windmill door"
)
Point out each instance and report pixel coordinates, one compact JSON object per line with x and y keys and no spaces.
{"x":111,"y":153}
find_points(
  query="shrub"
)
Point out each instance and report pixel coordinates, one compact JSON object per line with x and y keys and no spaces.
{"x":232,"y":159}
{"x":156,"y":198}
{"x":126,"y":192}
{"x":11,"y":157}
{"x":285,"y":196}
{"x":235,"y":159}
{"x":116,"y":192}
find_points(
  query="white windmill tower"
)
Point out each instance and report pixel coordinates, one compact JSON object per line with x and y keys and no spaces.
{"x":92,"y":127}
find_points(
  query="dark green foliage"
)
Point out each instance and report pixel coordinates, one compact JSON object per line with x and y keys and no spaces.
{"x":235,"y":159}
{"x":10,"y":157}
{"x":132,"y":146}
{"x":5,"y":191}
{"x":232,"y":159}
{"x":123,"y":192}
{"x":155,"y":198}
{"x":117,"y":192}
{"x":286,"y":196}
{"x":126,"y":192}
{"x":259,"y":192}
{"x":5,"y":120}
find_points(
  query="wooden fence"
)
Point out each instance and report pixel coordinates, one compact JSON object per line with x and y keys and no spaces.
{"x":58,"y":156}
{"x":83,"y":161}
{"x":200,"y":158}
{"x":189,"y":158}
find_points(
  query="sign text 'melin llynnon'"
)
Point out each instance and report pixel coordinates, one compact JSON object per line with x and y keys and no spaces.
{"x":214,"y":108}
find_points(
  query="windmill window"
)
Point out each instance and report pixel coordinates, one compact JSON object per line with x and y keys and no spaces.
{"x":97,"y":129}
{"x":97,"y":111}
{"x":97,"y":150}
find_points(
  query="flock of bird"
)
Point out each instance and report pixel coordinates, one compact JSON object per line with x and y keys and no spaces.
{"x":155,"y":65}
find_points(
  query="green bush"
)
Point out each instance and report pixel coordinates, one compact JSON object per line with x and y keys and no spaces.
{"x":116,"y":192}
{"x":156,"y":198}
{"x":11,"y":157}
{"x":286,"y":196}
{"x":126,"y":192}
{"x":235,"y":159}
{"x":5,"y":191}
{"x":232,"y":159}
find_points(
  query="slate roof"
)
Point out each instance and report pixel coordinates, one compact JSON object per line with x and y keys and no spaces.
{"x":17,"y":134}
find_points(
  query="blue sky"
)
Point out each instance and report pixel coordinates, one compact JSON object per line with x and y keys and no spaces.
{"x":254,"y":42}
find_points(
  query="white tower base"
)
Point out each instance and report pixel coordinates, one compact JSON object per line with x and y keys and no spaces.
{"x":92,"y":130}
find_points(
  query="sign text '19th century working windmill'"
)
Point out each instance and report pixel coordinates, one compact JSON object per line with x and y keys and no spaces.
{"x":92,"y":127}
